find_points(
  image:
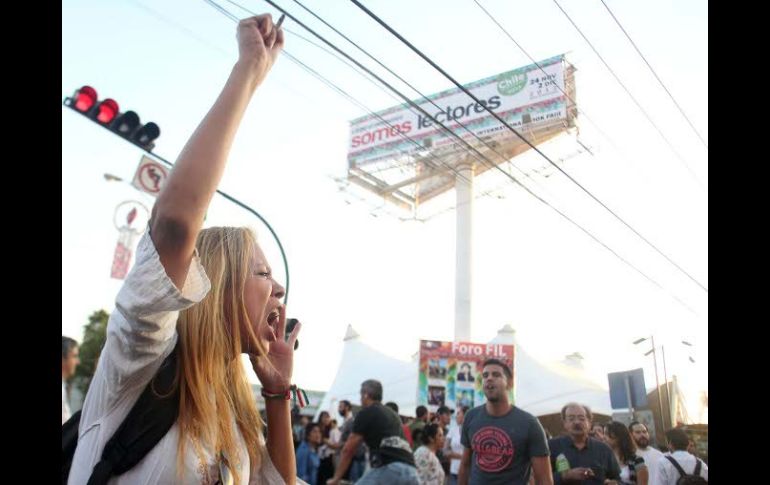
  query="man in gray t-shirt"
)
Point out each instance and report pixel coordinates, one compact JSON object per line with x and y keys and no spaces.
{"x":503,"y":444}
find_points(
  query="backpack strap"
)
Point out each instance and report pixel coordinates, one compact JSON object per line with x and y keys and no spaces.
{"x":632,"y":464}
{"x":697,"y":468}
{"x":677,"y":465}
{"x":149,"y":420}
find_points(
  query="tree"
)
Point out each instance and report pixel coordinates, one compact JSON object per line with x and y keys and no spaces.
{"x":94,"y":336}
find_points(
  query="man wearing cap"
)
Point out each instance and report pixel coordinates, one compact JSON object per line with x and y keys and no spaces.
{"x":502,"y":443}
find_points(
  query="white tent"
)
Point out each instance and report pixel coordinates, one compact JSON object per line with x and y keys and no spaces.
{"x":544,"y":388}
{"x":541,"y":389}
{"x":360,"y":362}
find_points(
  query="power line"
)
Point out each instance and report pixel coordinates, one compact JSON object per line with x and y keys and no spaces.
{"x":353,"y":100}
{"x":479,"y":154}
{"x":311,"y":42}
{"x":163,"y":18}
{"x":400,"y":79}
{"x":638,"y":105}
{"x":400,"y":95}
{"x":321,"y":78}
{"x":656,"y":76}
{"x":423,"y":96}
{"x":581,"y":111}
{"x":426,"y":98}
{"x":360,"y":105}
{"x":328,"y":83}
{"x":223,"y":11}
{"x":471,"y":148}
{"x":506,"y":124}
{"x":458,"y":174}
{"x":574,"y":103}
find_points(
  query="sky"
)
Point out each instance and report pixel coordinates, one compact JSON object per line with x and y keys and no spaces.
{"x":352,"y":259}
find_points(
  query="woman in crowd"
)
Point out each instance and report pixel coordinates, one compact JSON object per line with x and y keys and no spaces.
{"x":632,"y":467}
{"x":429,"y":469}
{"x":308,"y":460}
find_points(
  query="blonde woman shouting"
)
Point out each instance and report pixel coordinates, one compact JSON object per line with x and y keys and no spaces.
{"x":207,"y":296}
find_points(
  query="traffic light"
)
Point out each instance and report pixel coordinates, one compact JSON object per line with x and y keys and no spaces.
{"x":107,"y":113}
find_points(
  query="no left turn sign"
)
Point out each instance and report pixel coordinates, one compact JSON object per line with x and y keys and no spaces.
{"x":150,"y":176}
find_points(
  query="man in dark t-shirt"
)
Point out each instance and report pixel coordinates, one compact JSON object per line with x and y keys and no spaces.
{"x":503,"y":444}
{"x":380,"y":428}
{"x":577,"y":458}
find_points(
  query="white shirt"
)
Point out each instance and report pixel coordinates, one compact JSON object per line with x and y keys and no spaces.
{"x":625,"y":473}
{"x":65,"y":405}
{"x":668,"y":474}
{"x":141,"y":333}
{"x":454,"y":445}
{"x":651,"y":457}
{"x":325,"y":451}
{"x":344,"y":419}
{"x":335,"y":435}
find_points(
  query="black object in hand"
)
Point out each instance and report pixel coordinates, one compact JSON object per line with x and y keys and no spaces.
{"x":290,"y":324}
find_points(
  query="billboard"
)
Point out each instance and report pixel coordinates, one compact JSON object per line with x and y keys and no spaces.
{"x":527,"y":96}
{"x":449,"y":373}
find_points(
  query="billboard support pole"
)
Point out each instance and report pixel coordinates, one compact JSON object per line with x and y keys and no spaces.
{"x":463,"y":252}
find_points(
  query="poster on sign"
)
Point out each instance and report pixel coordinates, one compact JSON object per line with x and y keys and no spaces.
{"x":130,"y":220}
{"x":450,"y":372}
{"x":123,"y":251}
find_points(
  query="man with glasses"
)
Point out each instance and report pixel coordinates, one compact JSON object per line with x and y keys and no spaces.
{"x":577,"y":458}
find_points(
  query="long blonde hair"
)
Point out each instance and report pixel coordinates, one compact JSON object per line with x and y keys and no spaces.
{"x":214,"y":390}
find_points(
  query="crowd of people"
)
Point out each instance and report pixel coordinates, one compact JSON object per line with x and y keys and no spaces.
{"x":498,"y":442}
{"x":318,"y":443}
{"x":197,"y":299}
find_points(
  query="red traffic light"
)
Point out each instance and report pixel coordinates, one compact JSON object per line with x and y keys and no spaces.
{"x":107,"y":111}
{"x":85,"y":98}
